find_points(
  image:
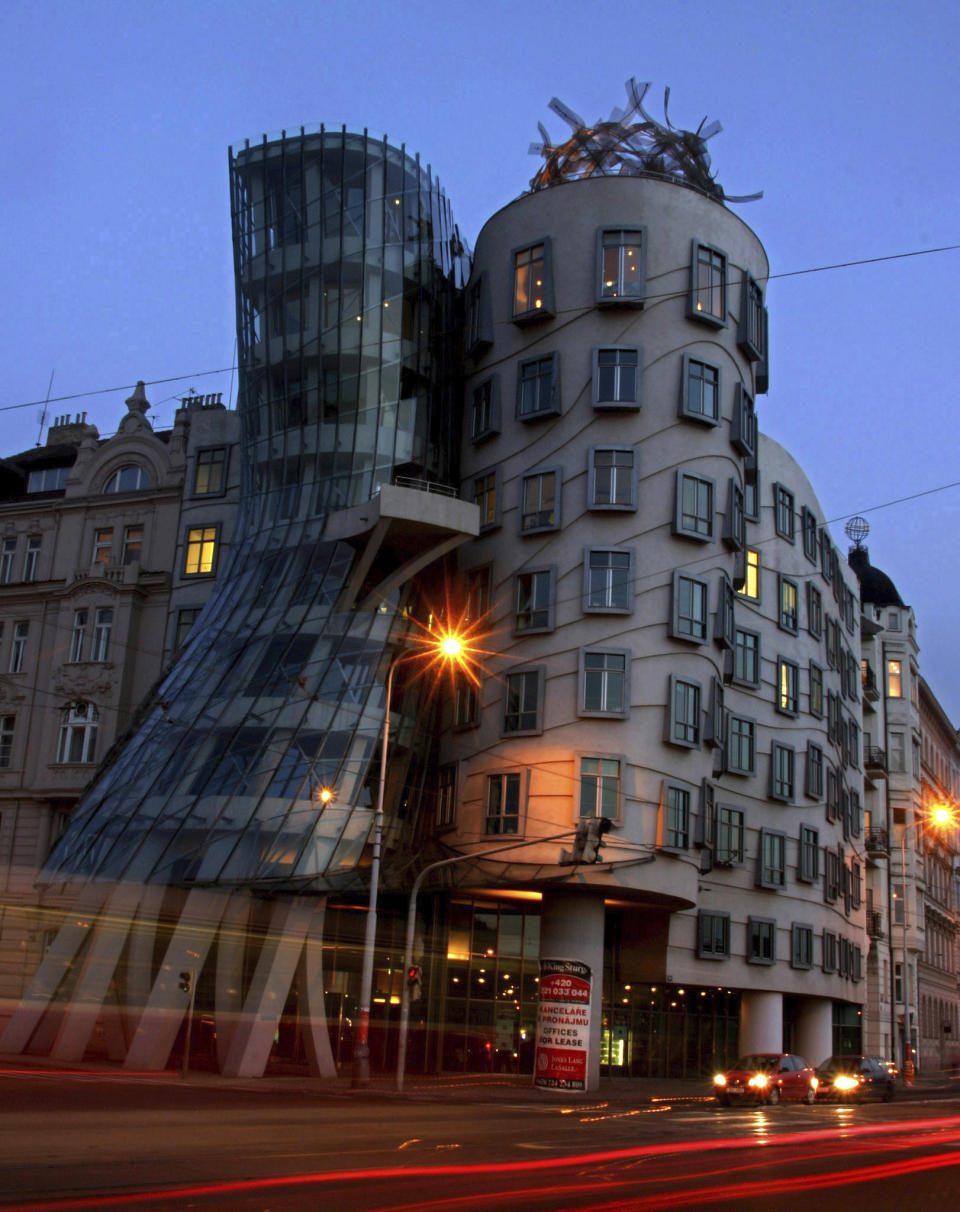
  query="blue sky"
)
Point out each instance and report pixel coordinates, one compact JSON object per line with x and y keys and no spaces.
{"x":115,"y":209}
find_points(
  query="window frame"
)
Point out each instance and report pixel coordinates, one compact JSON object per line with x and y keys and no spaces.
{"x":445,"y":805}
{"x":751,"y":571}
{"x":132,"y":549}
{"x":688,"y":635}
{"x":8,"y":731}
{"x":547,"y":309}
{"x":707,"y":519}
{"x":608,"y":607}
{"x":675,"y":831}
{"x":689,"y":723}
{"x":784,"y":515}
{"x":532,"y":675}
{"x":814,"y":780}
{"x":801,"y":946}
{"x":583,"y":676}
{"x":506,"y":780}
{"x":188,"y":543}
{"x":761,"y":940}
{"x":772,"y":860}
{"x":616,"y":476}
{"x":788,"y":687}
{"x":743,"y":423}
{"x":224,"y":452}
{"x":18,"y":646}
{"x":78,"y":635}
{"x":550,"y":572}
{"x":686,"y":409}
{"x":102,"y":631}
{"x":486,"y":487}
{"x":738,"y":736}
{"x":740,"y":679}
{"x":629,"y":298}
{"x":551,"y":407}
{"x":788,"y":614}
{"x":617,"y":401}
{"x":478,"y":327}
{"x":808,"y":855}
{"x":808,"y":528}
{"x":718,"y":262}
{"x":751,"y":325}
{"x":544,"y":521}
{"x":731,"y":829}
{"x":144,"y":479}
{"x":782,"y":789}
{"x":713,"y":934}
{"x":601,"y":776}
{"x":86,"y":724}
{"x":490,"y":412}
{"x":814,"y":610}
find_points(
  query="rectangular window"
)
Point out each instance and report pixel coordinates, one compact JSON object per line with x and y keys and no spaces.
{"x":773,"y":859}
{"x":485,"y":411}
{"x":734,"y":523}
{"x":761,"y":940}
{"x":809,"y":866}
{"x":101,"y":633}
{"x":479,"y":332}
{"x":599,"y":788}
{"x":538,"y":388}
{"x":612,"y":479}
{"x":894,"y":679}
{"x":7,"y":557}
{"x":730,"y":833}
{"x":621,"y":257}
{"x":132,"y":544}
{"x":486,"y":497}
{"x":532,"y":287}
{"x":690,"y":608}
{"x":784,"y":522}
{"x":201,"y":552}
{"x":741,"y":745}
{"x":750,"y":336}
{"x":78,"y":636}
{"x":832,"y":876}
{"x":829,"y":951}
{"x":676,"y":817}
{"x":185,"y":620}
{"x":789,"y":616}
{"x":743,"y":425}
{"x":684,"y":713}
{"x":616,"y":376}
{"x":788,"y":687}
{"x":446,"y":808}
{"x":713,"y":935}
{"x":694,"y":506}
{"x":466,"y":703}
{"x":708,"y":285}
{"x":502,"y":813}
{"x":603,"y":679}
{"x":813,"y":785}
{"x":211,"y":474}
{"x":898,"y":753}
{"x":782,"y":772}
{"x":751,"y":494}
{"x":540,"y":508}
{"x":534,"y":610}
{"x":32,"y":557}
{"x":808,"y":524}
{"x":801,"y":940}
{"x":521,"y":712}
{"x":18,"y":646}
{"x":102,"y":545}
{"x":7,"y":723}
{"x":609,"y":580}
{"x":746,"y":657}
{"x":700,"y":394}
{"x":751,"y":578}
{"x":814,"y":610}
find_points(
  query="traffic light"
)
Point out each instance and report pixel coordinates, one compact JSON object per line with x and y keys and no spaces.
{"x":590,"y":852}
{"x":414,"y":982}
{"x":185,"y":981}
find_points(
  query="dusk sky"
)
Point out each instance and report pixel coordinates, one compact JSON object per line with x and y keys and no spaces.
{"x":115,"y":205}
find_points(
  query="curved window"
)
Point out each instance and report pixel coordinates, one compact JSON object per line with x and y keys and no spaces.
{"x":127,"y":479}
{"x":78,"y":733}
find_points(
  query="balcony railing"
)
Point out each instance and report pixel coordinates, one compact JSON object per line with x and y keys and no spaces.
{"x":874,"y":760}
{"x":877,"y":842}
{"x":875,"y":924}
{"x":871,"y":690}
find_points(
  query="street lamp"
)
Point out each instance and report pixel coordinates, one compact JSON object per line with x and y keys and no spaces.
{"x":443,"y":649}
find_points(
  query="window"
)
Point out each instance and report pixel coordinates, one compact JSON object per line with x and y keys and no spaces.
{"x":809,"y":866}
{"x":833,"y":794}
{"x":201,"y":551}
{"x":612,"y":483}
{"x":532,"y":283}
{"x":751,"y":491}
{"x":781,"y":772}
{"x":783,"y":518}
{"x":101,"y":633}
{"x":832,"y":876}
{"x":734,"y":524}
{"x":814,"y":610}
{"x":185,"y":620}
{"x":751,"y":577}
{"x":813,"y":784}
{"x":894,"y":679}
{"x":78,"y":733}
{"x":502,"y":813}
{"x":524,"y":694}
{"x":761,"y":940}
{"x":789,"y":616}
{"x":708,"y":285}
{"x":6,"y":561}
{"x":609,"y":580}
{"x":683,"y":716}
{"x":540,"y":507}
{"x":18,"y":646}
{"x":32,"y":557}
{"x":603,"y":682}
{"x":741,"y":745}
{"x":211,"y":474}
{"x":700,"y":391}
{"x":743,"y":425}
{"x":893,"y":620}
{"x":830,"y":951}
{"x":479,"y":335}
{"x":713,"y":935}
{"x":746,"y":657}
{"x":801,"y":946}
{"x":599,"y":788}
{"x":773,"y":859}
{"x":715,"y":732}
{"x":808,"y":524}
{"x":694,"y":506}
{"x":132,"y":544}
{"x":538,"y":388}
{"x":102,"y":545}
{"x":127,"y":479}
{"x":750,"y":336}
{"x":856,"y":884}
{"x":466,"y":703}
{"x":534,"y":600}
{"x":898,"y":753}
{"x":446,"y":808}
{"x":690,"y":608}
{"x":675,"y":832}
{"x":485,"y":410}
{"x":729,"y":835}
{"x":48,"y":479}
{"x":78,"y":635}
{"x":485,"y":495}
{"x":788,"y":687}
{"x":725,"y":626}
{"x":621,"y":266}
{"x":7,"y":723}
{"x":616,"y":376}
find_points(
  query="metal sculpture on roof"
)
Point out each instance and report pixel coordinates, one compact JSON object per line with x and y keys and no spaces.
{"x":626,"y":147}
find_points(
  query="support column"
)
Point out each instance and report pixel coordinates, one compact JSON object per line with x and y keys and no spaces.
{"x":228,"y":991}
{"x":571,"y":928}
{"x":316,"y":1037}
{"x":815,"y":1029}
{"x":761,"y":1022}
{"x":138,"y":969}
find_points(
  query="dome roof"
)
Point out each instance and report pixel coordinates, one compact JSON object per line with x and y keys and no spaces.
{"x":875,"y":586}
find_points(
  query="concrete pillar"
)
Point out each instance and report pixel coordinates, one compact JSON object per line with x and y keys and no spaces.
{"x":815,"y":1029}
{"x":228,"y":992}
{"x":316,"y":1037}
{"x":761,"y":1022}
{"x":571,"y":928}
{"x":138,"y":967}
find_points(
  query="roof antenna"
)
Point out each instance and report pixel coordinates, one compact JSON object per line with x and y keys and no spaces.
{"x":43,"y":411}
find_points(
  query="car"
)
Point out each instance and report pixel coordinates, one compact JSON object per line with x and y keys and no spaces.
{"x":766,"y":1078}
{"x":850,"y":1079}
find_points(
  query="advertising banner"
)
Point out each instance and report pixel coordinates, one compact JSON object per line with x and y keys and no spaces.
{"x":563,"y":1025}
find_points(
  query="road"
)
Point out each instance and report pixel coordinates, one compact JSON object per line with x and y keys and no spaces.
{"x":77,"y":1142}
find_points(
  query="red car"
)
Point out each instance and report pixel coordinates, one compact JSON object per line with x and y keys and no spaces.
{"x":766,"y":1077}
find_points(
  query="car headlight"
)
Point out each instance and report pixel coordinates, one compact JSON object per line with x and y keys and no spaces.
{"x":719,"y":1079}
{"x":814,"y":1083}
{"x":846,"y":1083}
{"x":759,"y":1081}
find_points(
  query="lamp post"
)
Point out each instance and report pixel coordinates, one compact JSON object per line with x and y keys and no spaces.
{"x":447,"y":648}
